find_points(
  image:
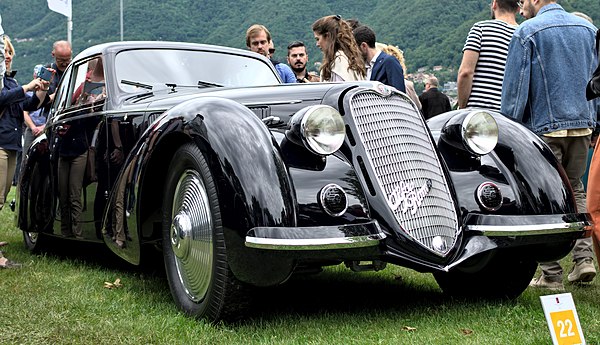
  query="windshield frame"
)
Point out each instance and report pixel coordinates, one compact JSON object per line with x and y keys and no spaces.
{"x":186,"y":67}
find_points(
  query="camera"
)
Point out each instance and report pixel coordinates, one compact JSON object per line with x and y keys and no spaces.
{"x":43,"y":73}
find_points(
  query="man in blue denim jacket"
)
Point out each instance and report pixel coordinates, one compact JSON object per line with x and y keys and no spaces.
{"x":550,"y":59}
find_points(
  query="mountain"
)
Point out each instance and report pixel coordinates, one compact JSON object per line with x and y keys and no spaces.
{"x":431,"y":32}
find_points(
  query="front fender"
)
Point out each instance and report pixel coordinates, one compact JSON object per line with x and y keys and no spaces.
{"x":253,"y":184}
{"x":522,"y":166}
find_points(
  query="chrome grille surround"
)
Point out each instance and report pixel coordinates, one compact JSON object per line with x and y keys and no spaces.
{"x":407,"y":169}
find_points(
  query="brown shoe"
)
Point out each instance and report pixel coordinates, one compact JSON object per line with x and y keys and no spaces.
{"x":583,"y":271}
{"x":544,"y":283}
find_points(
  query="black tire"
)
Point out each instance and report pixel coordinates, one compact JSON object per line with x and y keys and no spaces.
{"x":194,"y":250}
{"x":503,"y":276}
{"x":39,"y":204}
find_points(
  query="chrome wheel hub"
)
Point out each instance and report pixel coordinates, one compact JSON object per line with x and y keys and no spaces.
{"x":191,"y":234}
{"x":33,"y":236}
{"x":181,"y":234}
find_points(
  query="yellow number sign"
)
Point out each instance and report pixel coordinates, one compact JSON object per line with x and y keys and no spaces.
{"x":565,"y":327}
{"x":562,"y":318}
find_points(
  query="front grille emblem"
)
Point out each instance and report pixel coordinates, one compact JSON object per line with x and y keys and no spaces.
{"x":384,"y":90}
{"x":405,"y":196}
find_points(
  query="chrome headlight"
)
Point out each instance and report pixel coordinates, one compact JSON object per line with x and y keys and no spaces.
{"x":480,"y":132}
{"x":321,"y":128}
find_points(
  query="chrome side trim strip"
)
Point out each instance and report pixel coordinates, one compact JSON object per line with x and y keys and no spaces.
{"x":528,"y":230}
{"x":254,"y":104}
{"x":315,"y":243}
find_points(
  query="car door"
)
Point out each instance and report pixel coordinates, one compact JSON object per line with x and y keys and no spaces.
{"x":73,"y":134}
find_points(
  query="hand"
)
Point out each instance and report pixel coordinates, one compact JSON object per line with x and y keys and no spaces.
{"x":34,"y":85}
{"x":37,"y":130}
{"x":45,"y":85}
{"x":117,"y":156}
{"x":53,"y":73}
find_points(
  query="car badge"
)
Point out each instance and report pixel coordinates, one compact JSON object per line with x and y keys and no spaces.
{"x":384,"y":90}
{"x":405,"y":196}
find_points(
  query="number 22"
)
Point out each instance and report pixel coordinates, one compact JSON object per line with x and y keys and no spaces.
{"x":569,"y":328}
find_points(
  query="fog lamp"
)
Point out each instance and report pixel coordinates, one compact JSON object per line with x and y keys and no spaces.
{"x":333,"y":200}
{"x":488,"y":196}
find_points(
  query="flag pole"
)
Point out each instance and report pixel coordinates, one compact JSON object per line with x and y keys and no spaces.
{"x":121,"y":20}
{"x":69,"y":28}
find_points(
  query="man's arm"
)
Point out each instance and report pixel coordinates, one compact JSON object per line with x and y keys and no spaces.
{"x":286,"y":73}
{"x":515,"y":86}
{"x":464,"y":83}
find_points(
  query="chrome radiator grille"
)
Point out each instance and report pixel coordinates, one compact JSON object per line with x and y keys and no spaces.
{"x":408,"y":172}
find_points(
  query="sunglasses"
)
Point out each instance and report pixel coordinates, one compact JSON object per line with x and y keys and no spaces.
{"x":271,"y":50}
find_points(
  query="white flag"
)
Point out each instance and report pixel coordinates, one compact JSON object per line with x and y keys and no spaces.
{"x":61,"y":6}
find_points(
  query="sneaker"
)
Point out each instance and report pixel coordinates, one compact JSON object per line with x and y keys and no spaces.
{"x":583,"y":271}
{"x":543,"y":283}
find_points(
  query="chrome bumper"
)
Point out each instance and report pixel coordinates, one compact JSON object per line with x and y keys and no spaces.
{"x":316,"y":238}
{"x":531,"y":225}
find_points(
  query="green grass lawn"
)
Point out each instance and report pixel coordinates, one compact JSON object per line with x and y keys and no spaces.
{"x":60,"y":298}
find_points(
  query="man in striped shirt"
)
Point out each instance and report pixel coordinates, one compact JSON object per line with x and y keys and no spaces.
{"x":484,"y":57}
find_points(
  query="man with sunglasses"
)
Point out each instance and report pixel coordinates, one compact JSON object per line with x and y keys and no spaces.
{"x":550,"y":59}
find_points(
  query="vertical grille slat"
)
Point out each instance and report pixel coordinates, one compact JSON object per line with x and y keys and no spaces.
{"x":399,"y":149}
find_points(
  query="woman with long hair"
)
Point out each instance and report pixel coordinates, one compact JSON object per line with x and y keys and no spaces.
{"x":342,"y":60}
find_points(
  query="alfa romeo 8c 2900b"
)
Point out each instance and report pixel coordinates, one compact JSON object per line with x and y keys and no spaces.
{"x":240,"y":181}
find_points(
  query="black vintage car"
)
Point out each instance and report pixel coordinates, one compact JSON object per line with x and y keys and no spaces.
{"x":199,"y":151}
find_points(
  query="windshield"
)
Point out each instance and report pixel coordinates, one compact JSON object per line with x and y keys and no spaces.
{"x":159,"y":67}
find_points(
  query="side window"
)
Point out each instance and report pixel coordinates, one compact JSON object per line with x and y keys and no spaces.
{"x":82,"y":85}
{"x":89,"y":87}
